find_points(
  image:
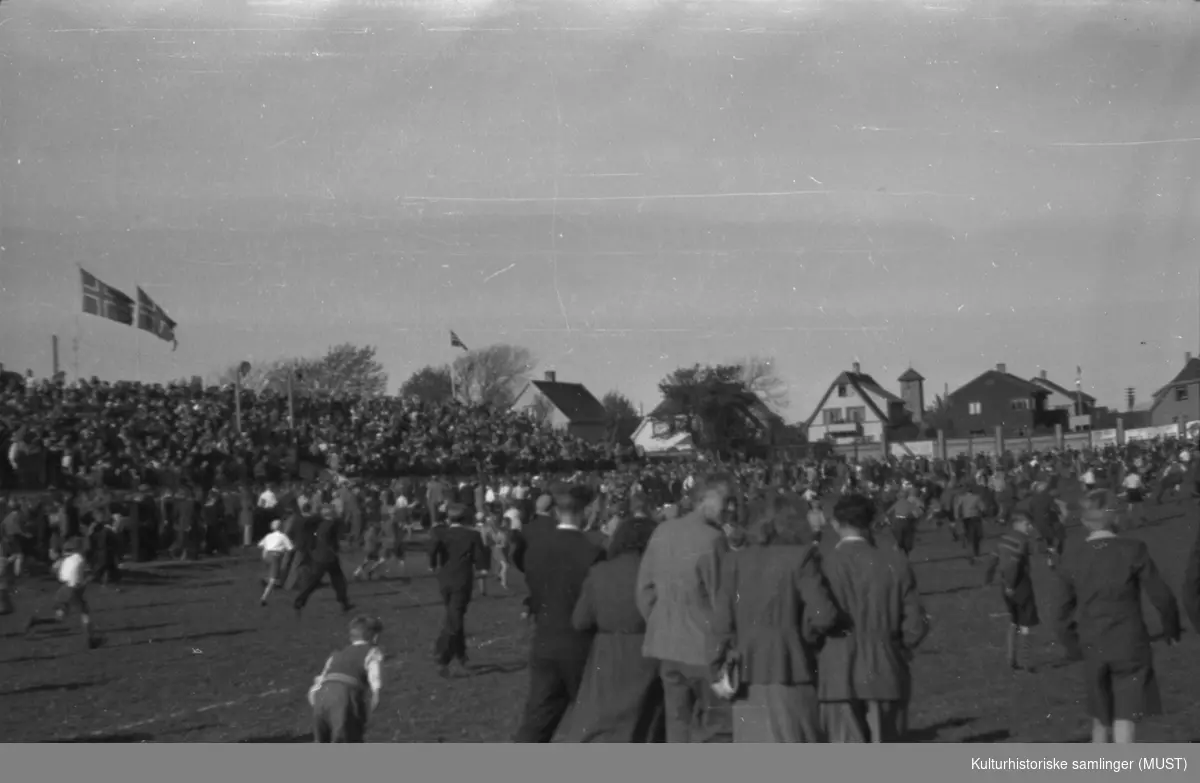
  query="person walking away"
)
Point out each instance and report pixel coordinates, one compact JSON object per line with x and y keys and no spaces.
{"x":275,"y":548}
{"x":865,"y":681}
{"x":1134,"y":489}
{"x":1100,"y":622}
{"x":1014,"y":553}
{"x":772,"y":610}
{"x":620,"y":698}
{"x":346,"y":692}
{"x":677,"y":586}
{"x":458,"y":556}
{"x":904,"y":514}
{"x":968,"y":510}
{"x":326,"y":561}
{"x":557,"y":564}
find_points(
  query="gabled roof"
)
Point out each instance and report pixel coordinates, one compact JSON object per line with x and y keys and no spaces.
{"x":575,"y":402}
{"x":867,"y":389}
{"x":1050,"y":385}
{"x":910,"y":375}
{"x":1189,"y":374}
{"x":1006,"y":377}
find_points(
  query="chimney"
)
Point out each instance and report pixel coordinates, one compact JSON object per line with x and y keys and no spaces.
{"x":1187,"y":357}
{"x":551,"y":377}
{"x":857,"y":368}
{"x":1002,"y":367}
{"x":1043,"y":375}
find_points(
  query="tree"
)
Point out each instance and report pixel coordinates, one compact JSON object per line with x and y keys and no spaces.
{"x":540,"y":410}
{"x":493,"y":375}
{"x":344,"y":370}
{"x":618,"y":410}
{"x":617,"y":406}
{"x":758,"y":375}
{"x":937,"y":417}
{"x":429,"y":384}
{"x":713,"y":404}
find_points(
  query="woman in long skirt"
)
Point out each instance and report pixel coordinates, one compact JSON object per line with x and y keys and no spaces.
{"x":620,"y":699}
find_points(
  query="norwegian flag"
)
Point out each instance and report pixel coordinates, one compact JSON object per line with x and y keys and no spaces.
{"x":152,"y":318}
{"x":455,"y":342}
{"x":103,"y":300}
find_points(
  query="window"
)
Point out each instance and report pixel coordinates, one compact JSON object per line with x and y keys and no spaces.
{"x":832,"y":415}
{"x":842,"y":390}
{"x":858,"y":414}
{"x":975,"y":408}
{"x":1021,"y":404}
{"x":1180,"y":393}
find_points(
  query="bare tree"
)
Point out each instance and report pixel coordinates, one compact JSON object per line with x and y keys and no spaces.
{"x":540,"y":410}
{"x":493,"y":375}
{"x":760,"y":377}
{"x":344,"y":370}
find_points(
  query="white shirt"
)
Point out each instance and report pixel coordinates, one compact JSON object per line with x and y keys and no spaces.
{"x":1089,"y":477}
{"x":275,"y":541}
{"x":489,"y":497}
{"x":514,"y":518}
{"x":505,"y":490}
{"x":1132,"y":481}
{"x":72,"y":570}
{"x":401,"y":501}
{"x":520,"y":492}
{"x":267,"y":500}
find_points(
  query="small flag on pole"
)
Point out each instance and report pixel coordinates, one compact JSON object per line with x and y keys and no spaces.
{"x":105,"y":301}
{"x":455,"y":342}
{"x":152,"y":318}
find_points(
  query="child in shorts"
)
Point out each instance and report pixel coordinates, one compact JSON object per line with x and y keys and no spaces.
{"x":275,"y":546}
{"x":346,"y":692}
{"x":72,"y":573}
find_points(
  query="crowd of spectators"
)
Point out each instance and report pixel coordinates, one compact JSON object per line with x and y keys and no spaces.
{"x":123,"y":435}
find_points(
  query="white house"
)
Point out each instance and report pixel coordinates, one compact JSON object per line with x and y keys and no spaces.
{"x":653,"y":438}
{"x":857,"y":407}
{"x":1079,"y":405}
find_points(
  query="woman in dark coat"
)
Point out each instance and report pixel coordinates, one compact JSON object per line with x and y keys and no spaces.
{"x":620,"y":699}
{"x":772,"y":608}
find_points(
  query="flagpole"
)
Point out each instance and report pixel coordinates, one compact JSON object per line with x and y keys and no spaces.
{"x":291,"y":404}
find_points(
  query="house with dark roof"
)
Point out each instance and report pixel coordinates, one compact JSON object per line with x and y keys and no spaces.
{"x":664,"y":432}
{"x":997,"y":398}
{"x":1179,"y":400}
{"x":565,"y":406}
{"x":1079,"y":405}
{"x":856,"y":406}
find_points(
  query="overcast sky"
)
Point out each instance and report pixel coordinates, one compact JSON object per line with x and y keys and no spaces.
{"x":622,"y":187}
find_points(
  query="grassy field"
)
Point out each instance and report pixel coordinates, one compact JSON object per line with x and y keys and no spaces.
{"x":192,"y":657}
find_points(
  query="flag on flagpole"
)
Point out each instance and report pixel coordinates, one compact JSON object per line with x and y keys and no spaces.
{"x":103,"y":300}
{"x":455,"y":342}
{"x":153,"y":319}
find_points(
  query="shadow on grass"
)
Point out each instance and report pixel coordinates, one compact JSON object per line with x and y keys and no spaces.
{"x":996,"y":735}
{"x":930,"y":733}
{"x":105,"y":738}
{"x":52,"y":687}
{"x":291,"y":738}
{"x":510,"y":667}
{"x":134,"y":628}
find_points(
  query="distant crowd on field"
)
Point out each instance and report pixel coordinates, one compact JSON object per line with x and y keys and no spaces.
{"x":123,"y":435}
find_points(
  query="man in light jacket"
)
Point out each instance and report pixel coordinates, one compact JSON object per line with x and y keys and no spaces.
{"x":676,"y":590}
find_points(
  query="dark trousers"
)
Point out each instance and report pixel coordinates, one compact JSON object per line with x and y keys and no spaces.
{"x":694,"y":713}
{"x":973,"y":533}
{"x":316,"y":573}
{"x":452,"y":641}
{"x":553,"y":686}
{"x":339,"y":714}
{"x":905,"y":532}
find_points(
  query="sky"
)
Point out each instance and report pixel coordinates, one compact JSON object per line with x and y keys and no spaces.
{"x":622,"y":187}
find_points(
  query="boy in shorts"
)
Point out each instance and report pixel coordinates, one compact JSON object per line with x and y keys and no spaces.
{"x":1101,"y":623}
{"x":72,"y":573}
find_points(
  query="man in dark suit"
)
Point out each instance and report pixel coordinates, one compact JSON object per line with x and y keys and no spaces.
{"x":324,"y":560}
{"x":543,"y":521}
{"x":1100,"y":621}
{"x":865,"y":682}
{"x":458,"y":554}
{"x":556,"y":564}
